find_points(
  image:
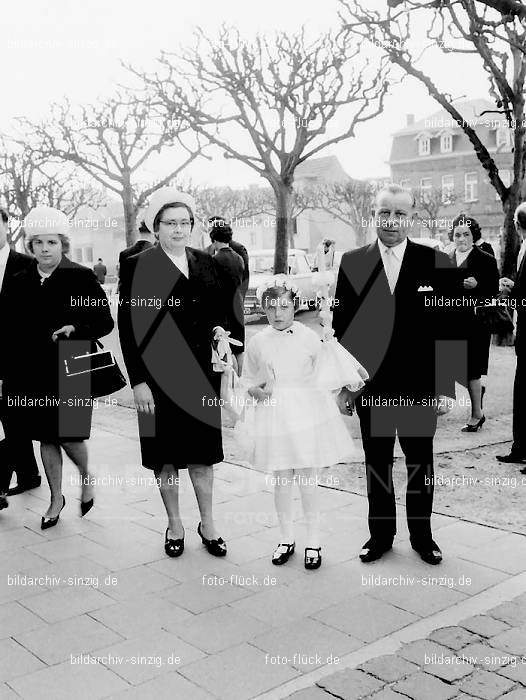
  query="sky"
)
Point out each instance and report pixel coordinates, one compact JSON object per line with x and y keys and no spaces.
{"x":65,"y":48}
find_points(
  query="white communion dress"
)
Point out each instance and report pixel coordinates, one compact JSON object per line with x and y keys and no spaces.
{"x":300,"y":425}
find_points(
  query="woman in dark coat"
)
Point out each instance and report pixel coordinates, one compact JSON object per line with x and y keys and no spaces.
{"x":168,"y":311}
{"x":478,"y":280}
{"x":56,"y":309}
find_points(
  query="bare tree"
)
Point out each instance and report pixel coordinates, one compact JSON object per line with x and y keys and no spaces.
{"x":431,"y":202}
{"x":27,"y":181}
{"x":112,"y":141}
{"x":234,"y":204}
{"x":351,"y":202}
{"x":493,"y":31}
{"x":271,"y":103}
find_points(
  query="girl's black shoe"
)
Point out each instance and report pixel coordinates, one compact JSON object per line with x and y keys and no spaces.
{"x":46,"y":523}
{"x":313,"y":561}
{"x":215,"y":547}
{"x":174,"y":548}
{"x":283,"y":557}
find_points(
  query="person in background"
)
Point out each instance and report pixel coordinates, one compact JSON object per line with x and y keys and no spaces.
{"x":213,"y":223}
{"x":230,"y":270}
{"x":478,"y":279}
{"x":324,"y":257}
{"x":145,"y":240}
{"x":47,"y":327}
{"x":16,"y":450}
{"x":100,"y":271}
{"x":517,"y":291}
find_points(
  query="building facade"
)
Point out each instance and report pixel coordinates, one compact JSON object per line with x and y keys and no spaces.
{"x":435,"y":158}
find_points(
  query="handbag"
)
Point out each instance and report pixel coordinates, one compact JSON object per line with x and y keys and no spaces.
{"x":496,"y":317}
{"x":97,"y":372}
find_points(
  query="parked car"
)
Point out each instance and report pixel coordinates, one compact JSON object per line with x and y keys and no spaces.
{"x":261,"y":267}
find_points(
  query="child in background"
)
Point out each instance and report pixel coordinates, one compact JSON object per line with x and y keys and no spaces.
{"x":297,"y":427}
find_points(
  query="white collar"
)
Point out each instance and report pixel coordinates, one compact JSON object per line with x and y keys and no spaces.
{"x":397,"y":250}
{"x":4,"y":254}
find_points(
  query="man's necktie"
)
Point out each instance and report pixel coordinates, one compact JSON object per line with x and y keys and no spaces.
{"x":389,"y":265}
{"x":522,"y":251}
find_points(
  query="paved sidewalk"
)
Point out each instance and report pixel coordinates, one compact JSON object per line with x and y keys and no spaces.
{"x":103,"y":613}
{"x":484,"y":656}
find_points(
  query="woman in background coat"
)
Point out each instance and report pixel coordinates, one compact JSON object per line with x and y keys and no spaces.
{"x":478,"y":281}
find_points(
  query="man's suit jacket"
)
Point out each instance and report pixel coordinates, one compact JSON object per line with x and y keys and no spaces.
{"x":230,"y":269}
{"x":240,"y":249}
{"x":519,"y":293}
{"x":134,"y":249}
{"x":399,"y":338}
{"x":16,"y":262}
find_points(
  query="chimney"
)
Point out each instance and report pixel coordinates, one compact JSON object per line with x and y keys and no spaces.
{"x":409,"y":119}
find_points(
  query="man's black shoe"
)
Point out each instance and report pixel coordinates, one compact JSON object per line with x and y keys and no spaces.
{"x":27,"y":486}
{"x":371,"y":551}
{"x":430,"y":553}
{"x":3,"y":502}
{"x":512,"y":458}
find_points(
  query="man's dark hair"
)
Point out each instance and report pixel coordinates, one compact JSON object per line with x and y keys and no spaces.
{"x":143,"y":228}
{"x":221,"y":232}
{"x":4,"y":215}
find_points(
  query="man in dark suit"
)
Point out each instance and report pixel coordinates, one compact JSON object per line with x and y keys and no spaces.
{"x":215,"y":222}
{"x":146,"y":240}
{"x":16,"y":451}
{"x":517,"y":292}
{"x":385,"y":316}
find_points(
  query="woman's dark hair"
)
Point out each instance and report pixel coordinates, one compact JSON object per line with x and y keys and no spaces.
{"x":221,"y":231}
{"x":520,"y":216}
{"x":470,"y":222}
{"x":172,"y":205}
{"x":274,"y":293}
{"x":3,"y":215}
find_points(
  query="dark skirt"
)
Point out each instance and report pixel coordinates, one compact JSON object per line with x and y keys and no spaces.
{"x":185,"y":429}
{"x":478,"y":347}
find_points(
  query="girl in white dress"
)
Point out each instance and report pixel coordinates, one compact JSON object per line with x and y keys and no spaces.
{"x":294,"y":422}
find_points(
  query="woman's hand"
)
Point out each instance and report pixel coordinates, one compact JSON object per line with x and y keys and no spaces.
{"x":345,"y":400}
{"x":65,"y":330}
{"x":470,"y":283}
{"x":143,"y":397}
{"x":505,"y":284}
{"x":259,"y":392}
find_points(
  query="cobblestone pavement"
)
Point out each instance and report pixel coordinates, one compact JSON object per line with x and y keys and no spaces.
{"x":484,"y":656}
{"x":94,"y":609}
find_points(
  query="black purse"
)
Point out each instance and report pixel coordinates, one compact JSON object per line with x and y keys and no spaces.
{"x":496,"y":318}
{"x":94,"y":372}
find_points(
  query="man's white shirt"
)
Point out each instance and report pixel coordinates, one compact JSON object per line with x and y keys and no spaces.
{"x":392,"y":259}
{"x":4,"y":254}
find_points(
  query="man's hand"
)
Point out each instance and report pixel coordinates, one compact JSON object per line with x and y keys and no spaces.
{"x":470,"y":283}
{"x":143,"y":397}
{"x":65,"y":330}
{"x":443,"y":405}
{"x":505,"y":284}
{"x":346,"y":400}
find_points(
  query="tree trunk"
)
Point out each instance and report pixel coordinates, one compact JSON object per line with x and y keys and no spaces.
{"x":510,"y":239}
{"x":283,"y":192}
{"x":129,"y":215}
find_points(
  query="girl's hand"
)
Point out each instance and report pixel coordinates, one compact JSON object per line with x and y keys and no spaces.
{"x":470,"y":283}
{"x":259,"y":392}
{"x":65,"y":330}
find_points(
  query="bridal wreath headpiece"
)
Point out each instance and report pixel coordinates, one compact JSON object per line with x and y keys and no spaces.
{"x":281,"y":280}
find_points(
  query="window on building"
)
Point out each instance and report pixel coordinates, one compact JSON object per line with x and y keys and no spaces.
{"x":426,"y":184}
{"x":446,"y":143}
{"x":88,"y":254}
{"x":470,"y":187}
{"x":448,"y":188}
{"x":505,"y":176}
{"x":424,"y":145}
{"x":78,"y":255}
{"x":503,"y":137}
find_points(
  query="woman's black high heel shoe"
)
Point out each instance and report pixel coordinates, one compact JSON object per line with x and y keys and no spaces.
{"x":86,"y":506}
{"x":283,"y":557}
{"x":215,"y":547}
{"x":313,"y":562}
{"x":174,"y":548}
{"x":474,"y":428}
{"x":46,"y":523}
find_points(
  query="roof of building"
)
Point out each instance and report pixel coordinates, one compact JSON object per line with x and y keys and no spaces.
{"x":325,"y":169}
{"x":471,"y":111}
